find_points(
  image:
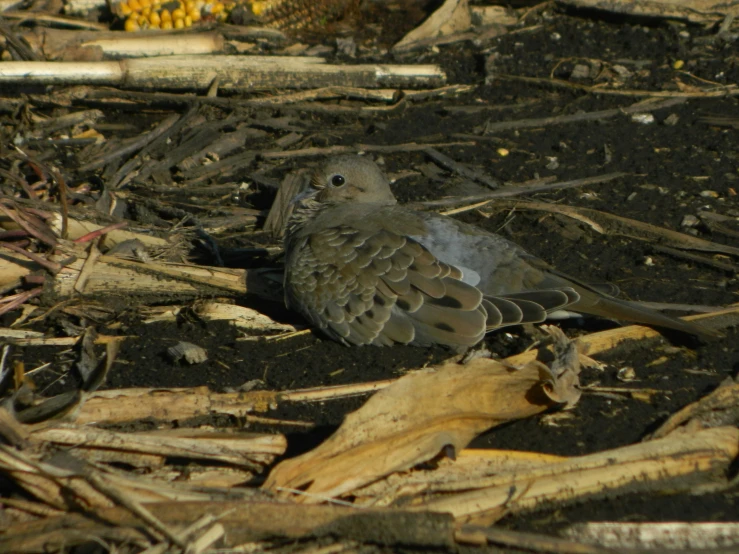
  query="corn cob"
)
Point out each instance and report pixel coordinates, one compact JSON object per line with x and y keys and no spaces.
{"x":178,"y":14}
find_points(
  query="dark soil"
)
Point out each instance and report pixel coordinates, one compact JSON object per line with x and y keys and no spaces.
{"x":678,"y":165}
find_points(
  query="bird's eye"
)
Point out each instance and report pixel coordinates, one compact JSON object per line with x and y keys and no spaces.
{"x":337,"y":180}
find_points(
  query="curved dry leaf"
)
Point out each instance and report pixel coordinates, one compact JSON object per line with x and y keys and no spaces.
{"x":411,"y":422}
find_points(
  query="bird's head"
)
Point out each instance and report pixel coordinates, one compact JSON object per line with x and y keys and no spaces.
{"x":351,"y":179}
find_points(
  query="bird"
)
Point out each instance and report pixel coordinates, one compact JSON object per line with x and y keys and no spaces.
{"x":365,"y":270}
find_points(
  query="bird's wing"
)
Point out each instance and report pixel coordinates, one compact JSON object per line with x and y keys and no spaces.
{"x":379,"y":287}
{"x":375,"y":286}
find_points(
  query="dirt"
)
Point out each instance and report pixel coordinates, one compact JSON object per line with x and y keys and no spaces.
{"x":676,"y":166}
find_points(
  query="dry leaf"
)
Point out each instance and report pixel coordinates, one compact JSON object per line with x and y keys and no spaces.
{"x":412,"y":421}
{"x":561,"y":381}
{"x":452,"y":17}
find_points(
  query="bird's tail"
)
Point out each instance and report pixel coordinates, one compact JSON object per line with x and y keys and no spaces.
{"x":614,"y":308}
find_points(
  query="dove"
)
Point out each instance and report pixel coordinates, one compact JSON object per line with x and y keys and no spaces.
{"x":365,"y":270}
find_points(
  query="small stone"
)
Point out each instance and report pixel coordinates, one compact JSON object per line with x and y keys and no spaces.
{"x":188,"y":351}
{"x":622,"y":71}
{"x":580,"y":71}
{"x":643,"y":118}
{"x":319,"y":50}
{"x":631,"y":196}
{"x":678,"y":64}
{"x":347,"y":46}
{"x":709,"y":194}
{"x":648,"y":261}
{"x":552,"y":163}
{"x":503,"y":152}
{"x":689,"y":221}
{"x":671,"y":119}
{"x":626,"y":374}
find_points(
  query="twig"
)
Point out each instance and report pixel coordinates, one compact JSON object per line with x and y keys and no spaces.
{"x":606,"y":223}
{"x":390,"y":96}
{"x":319,"y":394}
{"x":16,"y":45}
{"x":62,"y":184}
{"x":28,"y":222}
{"x":48,"y":18}
{"x":88,"y":267}
{"x":461,"y":169}
{"x":138,"y":143}
{"x":53,"y":267}
{"x":523,"y":189}
{"x":726,"y":266}
{"x":20,"y":299}
{"x":639,"y":107}
{"x":340,"y":149}
{"x":728,"y":90}
{"x":321,"y":497}
{"x":100,"y":232}
{"x":152,"y":522}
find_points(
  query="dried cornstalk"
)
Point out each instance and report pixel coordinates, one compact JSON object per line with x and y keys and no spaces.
{"x":673,"y":463}
{"x":233,"y":73}
{"x":674,"y":536}
{"x":240,"y":449}
{"x":695,"y":11}
{"x":56,"y":44}
{"x":171,"y":404}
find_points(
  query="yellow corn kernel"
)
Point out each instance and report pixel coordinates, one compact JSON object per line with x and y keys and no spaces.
{"x":216,"y":8}
{"x":189,"y":6}
{"x":188,"y":21}
{"x":178,"y":14}
{"x":123,"y":9}
{"x":130,"y":25}
{"x":143,"y":21}
{"x":146,"y":11}
{"x":179,"y":23}
{"x":145,"y":3}
{"x":257,"y":8}
{"x":194,"y":16}
{"x":166,"y":24}
{"x":154,"y":19}
{"x":165,"y":15}
{"x":135,"y":5}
